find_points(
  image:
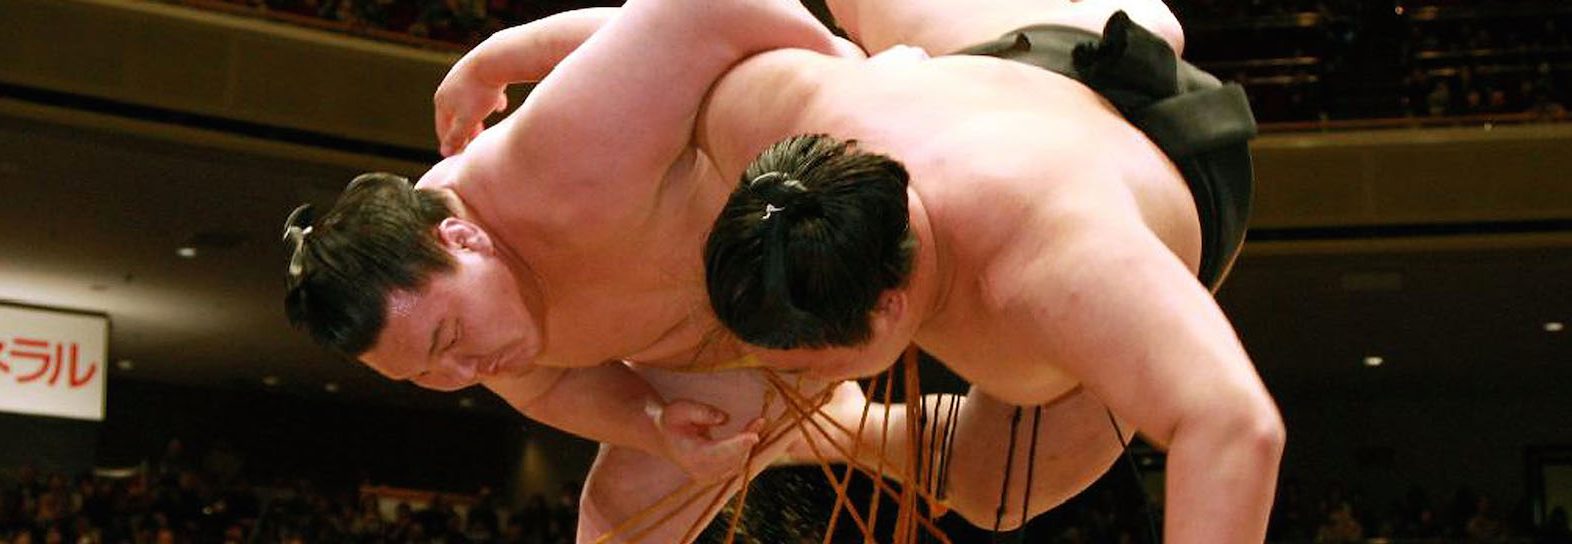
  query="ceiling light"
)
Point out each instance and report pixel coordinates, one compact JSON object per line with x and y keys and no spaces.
{"x":1374,"y":361}
{"x":1554,"y":326}
{"x":125,"y":364}
{"x":330,"y":387}
{"x":271,"y":381}
{"x":186,"y":252}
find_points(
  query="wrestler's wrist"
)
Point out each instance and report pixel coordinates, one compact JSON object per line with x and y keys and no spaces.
{"x":469,"y":71}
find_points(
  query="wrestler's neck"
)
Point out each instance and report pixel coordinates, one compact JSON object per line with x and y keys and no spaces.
{"x":461,"y":209}
{"x":529,"y":283}
{"x":929,"y":285}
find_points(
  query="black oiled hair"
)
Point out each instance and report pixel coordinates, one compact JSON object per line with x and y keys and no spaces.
{"x":815,"y":231}
{"x":379,"y":237}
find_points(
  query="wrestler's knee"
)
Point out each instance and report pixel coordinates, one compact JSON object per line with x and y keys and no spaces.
{"x":984,"y":512}
{"x":622,"y":483}
{"x":1073,"y":444}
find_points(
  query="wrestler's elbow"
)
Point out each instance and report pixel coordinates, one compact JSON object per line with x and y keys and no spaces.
{"x":1261,"y":431}
{"x":753,"y":27}
{"x":1236,"y":419}
{"x":1262,"y":419}
{"x":1254,"y":428}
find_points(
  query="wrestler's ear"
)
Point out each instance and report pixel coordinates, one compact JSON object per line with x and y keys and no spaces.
{"x":888,"y":312}
{"x":458,"y":234}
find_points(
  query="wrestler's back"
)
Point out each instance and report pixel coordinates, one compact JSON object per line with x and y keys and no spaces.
{"x":998,"y":152}
{"x":945,"y":26}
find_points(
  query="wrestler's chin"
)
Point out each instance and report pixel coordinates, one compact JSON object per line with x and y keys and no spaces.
{"x":517,"y":361}
{"x":835,"y":373}
{"x":822,"y":365}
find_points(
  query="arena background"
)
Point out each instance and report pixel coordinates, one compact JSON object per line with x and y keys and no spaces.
{"x":1414,"y":204}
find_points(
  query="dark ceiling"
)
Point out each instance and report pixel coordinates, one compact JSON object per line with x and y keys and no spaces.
{"x":93,"y":219}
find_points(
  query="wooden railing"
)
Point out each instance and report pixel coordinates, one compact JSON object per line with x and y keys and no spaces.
{"x":354,"y":29}
{"x":401,"y":38}
{"x":1479,"y":120}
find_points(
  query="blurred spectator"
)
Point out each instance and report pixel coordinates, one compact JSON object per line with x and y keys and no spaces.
{"x":1483,"y":526}
{"x":1299,"y":59}
{"x":566,"y":510}
{"x":140,"y":510}
{"x":1439,"y":99}
{"x":534,"y":522}
{"x":1340,"y":527}
{"x":1555,"y":529}
{"x":482,"y":524}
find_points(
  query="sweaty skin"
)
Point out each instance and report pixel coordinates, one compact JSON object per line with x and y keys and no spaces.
{"x":568,"y":303}
{"x":626,"y":477}
{"x":563,"y":296}
{"x":1060,"y":253}
{"x":1058,"y":246}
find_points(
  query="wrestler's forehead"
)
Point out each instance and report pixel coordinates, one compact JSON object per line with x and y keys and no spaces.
{"x":405,"y":339}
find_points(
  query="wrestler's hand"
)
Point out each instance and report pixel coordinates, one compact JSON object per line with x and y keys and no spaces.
{"x":685,"y":428}
{"x":463,"y":102}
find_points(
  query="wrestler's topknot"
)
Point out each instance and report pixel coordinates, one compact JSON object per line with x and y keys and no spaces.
{"x":813,"y":234}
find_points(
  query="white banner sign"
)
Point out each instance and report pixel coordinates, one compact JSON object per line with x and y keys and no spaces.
{"x":52,"y":362}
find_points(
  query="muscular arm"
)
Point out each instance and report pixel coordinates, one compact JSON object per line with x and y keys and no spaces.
{"x":612,"y":404}
{"x":1108,"y":301}
{"x":530,"y":51}
{"x":475,"y":85}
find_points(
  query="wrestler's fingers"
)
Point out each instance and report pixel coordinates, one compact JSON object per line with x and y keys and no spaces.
{"x":682,"y":412}
{"x":443,"y":119}
{"x":719,"y":459}
{"x":444,"y":125}
{"x":727,"y":455}
{"x":756,"y":426}
{"x":736,"y":446}
{"x":455,"y":147}
{"x":454,"y":138}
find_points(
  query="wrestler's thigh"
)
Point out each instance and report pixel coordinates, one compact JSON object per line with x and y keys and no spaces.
{"x":1075,"y":444}
{"x":624,"y":484}
{"x":945,"y":26}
